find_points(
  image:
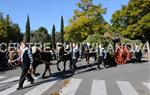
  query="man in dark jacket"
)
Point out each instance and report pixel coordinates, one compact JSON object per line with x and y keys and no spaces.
{"x":26,"y":60}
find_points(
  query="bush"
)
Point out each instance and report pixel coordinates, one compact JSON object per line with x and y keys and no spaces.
{"x":97,"y":38}
{"x":126,"y":40}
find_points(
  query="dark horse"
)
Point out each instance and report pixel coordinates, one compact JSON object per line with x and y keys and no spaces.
{"x":108,"y":62}
{"x":40,"y":57}
{"x":63,"y":56}
{"x":87,"y":54}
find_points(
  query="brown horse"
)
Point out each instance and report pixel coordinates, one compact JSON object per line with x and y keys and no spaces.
{"x":40,"y":57}
{"x":63,"y":56}
{"x":87,"y":54}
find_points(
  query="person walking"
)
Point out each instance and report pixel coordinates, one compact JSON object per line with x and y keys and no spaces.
{"x":102,"y":57}
{"x":25,"y":59}
{"x":74,"y":56}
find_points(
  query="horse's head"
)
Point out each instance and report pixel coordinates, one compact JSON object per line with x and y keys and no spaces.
{"x":36,"y":52}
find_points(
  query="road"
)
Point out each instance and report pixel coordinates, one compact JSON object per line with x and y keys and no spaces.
{"x":128,"y":79}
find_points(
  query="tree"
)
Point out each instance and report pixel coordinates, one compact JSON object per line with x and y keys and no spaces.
{"x":133,"y":20}
{"x":86,"y":20}
{"x":43,"y":29}
{"x":53,"y":37}
{"x":9,"y":31}
{"x":16,"y":32}
{"x":27,"y":33}
{"x":62,"y":30}
{"x":58,"y":37}
{"x":40,"y":35}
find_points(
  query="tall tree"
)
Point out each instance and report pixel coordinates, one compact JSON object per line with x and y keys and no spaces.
{"x":53,"y":37}
{"x":9,"y":31}
{"x":8,"y":28}
{"x":62,"y":29}
{"x":27,"y":33}
{"x":133,"y":20}
{"x":16,"y":32}
{"x":87,"y":20}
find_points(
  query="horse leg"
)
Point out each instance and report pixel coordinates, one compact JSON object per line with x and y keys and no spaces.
{"x":64,"y":66}
{"x":43,"y":75}
{"x":49,"y":69}
{"x":87,"y":59}
{"x":34,"y":72}
{"x":104,"y":63}
{"x":58,"y":65}
{"x":95,"y":57}
{"x":70,"y":64}
{"x":35,"y":64}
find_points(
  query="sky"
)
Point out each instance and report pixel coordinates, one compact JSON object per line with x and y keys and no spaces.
{"x":48,"y":12}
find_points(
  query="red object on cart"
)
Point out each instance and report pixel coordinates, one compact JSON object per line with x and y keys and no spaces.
{"x":122,"y":55}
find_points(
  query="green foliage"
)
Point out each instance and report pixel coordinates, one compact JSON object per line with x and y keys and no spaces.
{"x":126,"y":40}
{"x":40,"y":35}
{"x":97,"y":38}
{"x":27,"y":33}
{"x":133,"y":20}
{"x":62,"y":30}
{"x":8,"y":31}
{"x":87,"y":20}
{"x":58,"y":37}
{"x":43,"y":30}
{"x":53,"y":37}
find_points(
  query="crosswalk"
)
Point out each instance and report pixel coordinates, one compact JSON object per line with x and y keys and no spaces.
{"x":126,"y":88}
{"x":2,"y":77}
{"x":98,"y":87}
{"x":71,"y":88}
{"x":41,"y":88}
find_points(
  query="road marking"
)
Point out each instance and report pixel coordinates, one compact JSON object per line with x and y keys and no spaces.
{"x":41,"y":88}
{"x":98,"y":87}
{"x":1,"y":77}
{"x":8,"y":81}
{"x":12,"y":89}
{"x":147,"y":84}
{"x":71,"y":88}
{"x":126,"y":88}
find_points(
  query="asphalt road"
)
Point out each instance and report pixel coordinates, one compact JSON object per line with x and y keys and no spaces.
{"x":128,"y":79}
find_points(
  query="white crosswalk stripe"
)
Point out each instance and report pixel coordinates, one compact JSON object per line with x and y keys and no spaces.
{"x":2,"y":77}
{"x":147,"y":84}
{"x":12,"y":89}
{"x":71,"y":88}
{"x":126,"y":88}
{"x":8,"y":80}
{"x":98,"y":87}
{"x":41,"y":88}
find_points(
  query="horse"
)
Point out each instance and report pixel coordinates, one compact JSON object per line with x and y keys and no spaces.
{"x":109,"y":60}
{"x":86,"y":53}
{"x":4,"y":61}
{"x":40,"y":57}
{"x":63,"y":56}
{"x":12,"y":55}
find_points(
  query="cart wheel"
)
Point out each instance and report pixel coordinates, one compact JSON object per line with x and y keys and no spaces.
{"x":121,"y":56}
